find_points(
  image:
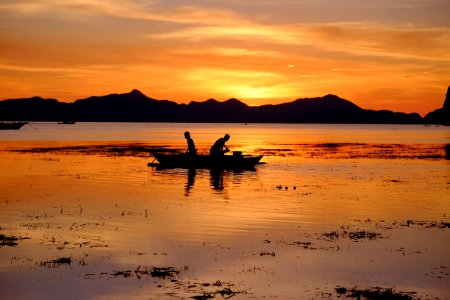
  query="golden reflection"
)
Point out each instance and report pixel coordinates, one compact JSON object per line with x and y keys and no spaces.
{"x":294,"y":216}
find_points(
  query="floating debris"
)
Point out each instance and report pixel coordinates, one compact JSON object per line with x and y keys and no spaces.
{"x":363,"y":235}
{"x":226,"y":293}
{"x":374,"y":293}
{"x":427,"y":224}
{"x":266,"y":253}
{"x":393,"y":180}
{"x":163,"y":272}
{"x":353,"y":235}
{"x":123,"y":149}
{"x":306,"y":245}
{"x":204,"y":296}
{"x":10,"y":241}
{"x":139,"y":272}
{"x":331,"y":235}
{"x":57,"y":262}
{"x":125,"y":274}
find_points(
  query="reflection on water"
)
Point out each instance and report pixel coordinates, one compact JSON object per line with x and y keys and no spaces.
{"x":218,"y":178}
{"x":190,"y":180}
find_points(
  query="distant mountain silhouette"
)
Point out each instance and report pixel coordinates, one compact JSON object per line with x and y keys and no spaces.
{"x":136,"y":107}
{"x":441,"y":115}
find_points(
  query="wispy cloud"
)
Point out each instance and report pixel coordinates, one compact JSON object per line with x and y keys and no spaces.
{"x":125,"y":9}
{"x":243,"y":52}
{"x":353,"y":38}
{"x":206,"y":24}
{"x":255,"y":32}
{"x":379,"y":39}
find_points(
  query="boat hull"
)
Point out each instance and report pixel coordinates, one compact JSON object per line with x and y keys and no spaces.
{"x":174,"y":160}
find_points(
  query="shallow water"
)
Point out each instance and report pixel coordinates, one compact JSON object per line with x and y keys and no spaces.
{"x":331,"y":206}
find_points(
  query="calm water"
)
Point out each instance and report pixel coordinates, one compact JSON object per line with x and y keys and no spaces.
{"x":354,"y":206}
{"x":241,"y":133}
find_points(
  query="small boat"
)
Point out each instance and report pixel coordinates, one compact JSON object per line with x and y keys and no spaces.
{"x":67,"y":122}
{"x":11,"y":125}
{"x":237,"y":161}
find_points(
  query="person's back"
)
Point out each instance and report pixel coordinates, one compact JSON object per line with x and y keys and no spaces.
{"x":218,"y":148}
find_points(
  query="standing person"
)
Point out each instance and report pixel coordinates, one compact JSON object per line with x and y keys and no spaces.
{"x":190,"y":143}
{"x":219,"y":148}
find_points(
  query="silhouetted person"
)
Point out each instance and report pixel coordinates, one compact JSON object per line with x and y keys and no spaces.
{"x":191,"y":147}
{"x":219,"y":148}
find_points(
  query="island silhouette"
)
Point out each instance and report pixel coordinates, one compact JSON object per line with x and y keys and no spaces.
{"x":441,"y":115}
{"x":137,"y":107}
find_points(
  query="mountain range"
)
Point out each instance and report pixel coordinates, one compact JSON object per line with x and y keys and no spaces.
{"x":137,"y":107}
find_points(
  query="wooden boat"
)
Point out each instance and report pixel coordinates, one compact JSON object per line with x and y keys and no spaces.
{"x":11,"y":125}
{"x":237,"y":161}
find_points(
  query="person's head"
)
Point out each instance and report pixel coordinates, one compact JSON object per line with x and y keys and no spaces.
{"x":226,"y":137}
{"x":187,"y":134}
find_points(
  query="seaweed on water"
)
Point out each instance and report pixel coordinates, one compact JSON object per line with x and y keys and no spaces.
{"x":205,"y":296}
{"x":376,"y":293}
{"x":305,"y":245}
{"x":353,"y":235}
{"x":159,"y":272}
{"x":331,"y":235}
{"x":10,"y":241}
{"x":226,"y":293}
{"x":139,"y":272}
{"x":125,"y":274}
{"x":427,"y":224}
{"x":363,"y":235}
{"x":263,"y":253}
{"x":57,"y":262}
{"x":438,"y":225}
{"x":140,"y":150}
{"x":445,"y":224}
{"x":163,"y":272}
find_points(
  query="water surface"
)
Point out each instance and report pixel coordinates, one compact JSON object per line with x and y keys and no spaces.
{"x":354,"y":206}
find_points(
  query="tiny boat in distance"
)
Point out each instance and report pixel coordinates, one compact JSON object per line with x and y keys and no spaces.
{"x":237,"y":161}
{"x":11,"y":125}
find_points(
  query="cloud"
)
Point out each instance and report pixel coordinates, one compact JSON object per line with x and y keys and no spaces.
{"x":200,"y":24}
{"x":125,"y":9}
{"x":255,"y":32}
{"x":243,"y":52}
{"x":362,"y":39}
{"x":377,"y":39}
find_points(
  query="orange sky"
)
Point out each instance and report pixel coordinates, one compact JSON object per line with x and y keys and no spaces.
{"x":378,"y":54}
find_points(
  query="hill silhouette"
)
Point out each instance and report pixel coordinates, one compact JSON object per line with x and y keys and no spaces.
{"x":137,"y":107}
{"x":441,"y":115}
